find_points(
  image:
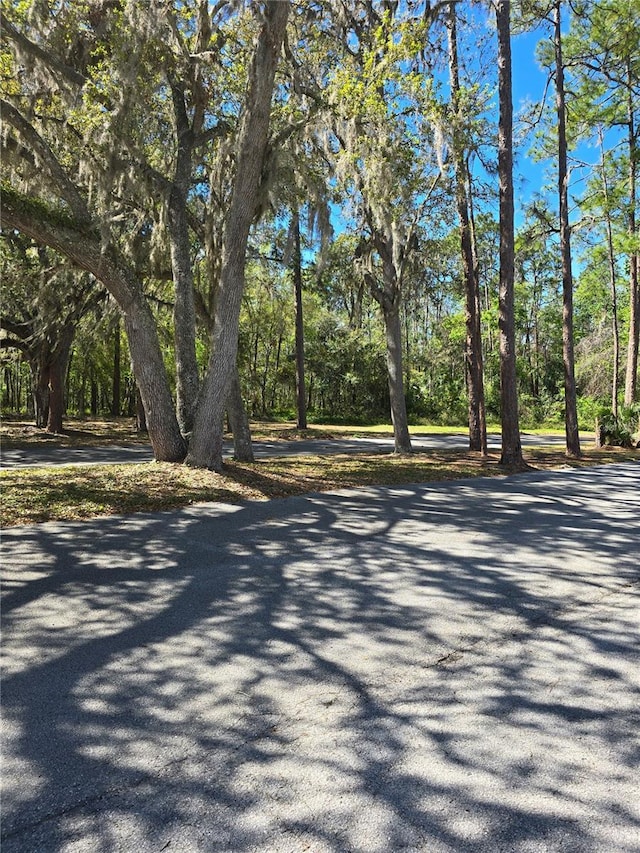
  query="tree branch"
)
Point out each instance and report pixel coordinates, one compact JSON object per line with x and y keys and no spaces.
{"x":43,"y":152}
{"x":37,"y":52}
{"x":79,"y":243}
{"x":11,"y":343}
{"x":22,"y":331}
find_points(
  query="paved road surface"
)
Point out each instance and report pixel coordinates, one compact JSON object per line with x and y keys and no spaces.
{"x":39,"y":455}
{"x":449,"y":667}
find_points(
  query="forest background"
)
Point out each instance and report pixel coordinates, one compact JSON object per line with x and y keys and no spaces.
{"x":328,"y":172}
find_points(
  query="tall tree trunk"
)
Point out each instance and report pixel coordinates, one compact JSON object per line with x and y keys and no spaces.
{"x":612,"y":279}
{"x":184,"y":318}
{"x":83,"y":247}
{"x":511,"y":444}
{"x":151,"y":377}
{"x":393,"y":335}
{"x":117,"y":372}
{"x":388,"y":296}
{"x":93,"y":406}
{"x":631,"y":378}
{"x":57,"y":375}
{"x":301,"y":397}
{"x":473,"y":348}
{"x":570,"y":401}
{"x":242,"y":447}
{"x":184,"y":312}
{"x":40,"y":369}
{"x":141,"y":415}
{"x":205,"y":450}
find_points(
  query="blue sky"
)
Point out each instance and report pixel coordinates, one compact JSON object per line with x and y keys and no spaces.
{"x":529,"y":82}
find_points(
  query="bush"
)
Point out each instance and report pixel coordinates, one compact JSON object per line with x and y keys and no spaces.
{"x":620,"y":431}
{"x":544,"y":409}
{"x":590,"y":408}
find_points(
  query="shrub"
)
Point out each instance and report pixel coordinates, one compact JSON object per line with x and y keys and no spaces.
{"x":620,"y":431}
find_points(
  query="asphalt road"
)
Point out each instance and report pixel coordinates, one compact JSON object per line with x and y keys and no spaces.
{"x":39,"y":455}
{"x":448,"y":667}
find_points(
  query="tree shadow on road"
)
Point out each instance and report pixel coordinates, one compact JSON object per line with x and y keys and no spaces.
{"x":448,"y":667}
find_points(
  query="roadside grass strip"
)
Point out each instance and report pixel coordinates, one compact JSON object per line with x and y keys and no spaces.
{"x":61,"y":493}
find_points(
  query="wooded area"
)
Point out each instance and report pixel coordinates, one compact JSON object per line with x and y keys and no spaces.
{"x":317,"y":209}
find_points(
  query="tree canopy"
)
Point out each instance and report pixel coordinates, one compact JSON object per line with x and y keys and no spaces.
{"x":294,"y":207}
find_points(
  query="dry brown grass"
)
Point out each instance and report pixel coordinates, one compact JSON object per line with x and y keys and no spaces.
{"x":78,"y":492}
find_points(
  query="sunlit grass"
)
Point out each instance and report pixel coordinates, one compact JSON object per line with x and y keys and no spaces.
{"x":32,"y":495}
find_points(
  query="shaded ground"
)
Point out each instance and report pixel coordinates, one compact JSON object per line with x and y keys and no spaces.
{"x":79,"y":491}
{"x":18,"y":432}
{"x":42,"y":453}
{"x":449,"y":667}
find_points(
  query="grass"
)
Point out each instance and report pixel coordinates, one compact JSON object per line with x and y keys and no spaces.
{"x":33,"y":495}
{"x":20,"y":433}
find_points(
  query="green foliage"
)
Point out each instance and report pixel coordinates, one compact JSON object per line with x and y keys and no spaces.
{"x":347,"y":373}
{"x":620,"y":431}
{"x":38,"y":208}
{"x":589,"y":408}
{"x":359,"y":117}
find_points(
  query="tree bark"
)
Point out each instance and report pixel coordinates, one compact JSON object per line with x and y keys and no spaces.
{"x":393,"y":336}
{"x":205,"y":449}
{"x":83,"y":248}
{"x":389,"y":297}
{"x":473,"y":348}
{"x":40,"y":384}
{"x":570,"y":401}
{"x":117,"y":373}
{"x":511,"y":444}
{"x":141,"y":415}
{"x":612,"y":279}
{"x":184,"y":312}
{"x":631,"y":377}
{"x":301,"y":396}
{"x":57,"y":373}
{"x":242,"y":447}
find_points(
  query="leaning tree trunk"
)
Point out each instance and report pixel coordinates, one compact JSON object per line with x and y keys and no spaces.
{"x":511,"y":444}
{"x":84,"y":248}
{"x":205,"y":449}
{"x":570,"y":400}
{"x":152,"y":380}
